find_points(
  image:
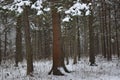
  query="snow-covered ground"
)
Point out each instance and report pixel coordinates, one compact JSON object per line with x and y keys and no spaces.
{"x":81,"y":71}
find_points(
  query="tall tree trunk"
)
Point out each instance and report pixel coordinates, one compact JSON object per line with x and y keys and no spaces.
{"x":103,"y":30}
{"x":18,"y":55}
{"x":106,"y":29}
{"x":58,"y":56}
{"x":0,"y":50}
{"x":5,"y":37}
{"x":116,"y":30}
{"x":39,"y":44}
{"x":75,"y":40}
{"x":5,"y":42}
{"x":109,"y":35}
{"x":91,"y":40}
{"x":56,"y":42}
{"x":5,"y":45}
{"x":100,"y":33}
{"x":47,"y":41}
{"x":78,"y":40}
{"x":29,"y":53}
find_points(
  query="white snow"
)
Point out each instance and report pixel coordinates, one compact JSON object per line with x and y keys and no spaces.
{"x":46,"y":9}
{"x":66,"y":19}
{"x":90,"y":4}
{"x":1,"y":0}
{"x":33,"y":27}
{"x":60,"y":8}
{"x":76,"y":9}
{"x":39,"y":12}
{"x":17,"y":5}
{"x":22,"y":2}
{"x":112,"y":40}
{"x":5,"y":7}
{"x":80,"y":71}
{"x":20,"y":10}
{"x":38,"y":6}
{"x":87,"y":12}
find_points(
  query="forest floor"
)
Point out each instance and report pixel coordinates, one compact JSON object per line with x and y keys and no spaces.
{"x":80,"y":71}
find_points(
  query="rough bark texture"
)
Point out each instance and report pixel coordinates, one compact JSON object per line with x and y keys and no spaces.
{"x":75,"y":43}
{"x":29,"y":54}
{"x":117,"y":30}
{"x":103,"y":29}
{"x":79,"y":53}
{"x":56,"y":42}
{"x":58,"y":56}
{"x":91,"y":40}
{"x":5,"y":45}
{"x":109,"y":35}
{"x":18,"y":56}
{"x":0,"y":50}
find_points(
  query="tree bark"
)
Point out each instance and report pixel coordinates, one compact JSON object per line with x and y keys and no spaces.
{"x":58,"y":56}
{"x":5,"y":45}
{"x":109,"y":35}
{"x":56,"y":42}
{"x":116,"y":30}
{"x":91,"y":40}
{"x":78,"y":39}
{"x":18,"y":55}
{"x":29,"y":53}
{"x":0,"y":51}
{"x":103,"y":29}
{"x":75,"y":41}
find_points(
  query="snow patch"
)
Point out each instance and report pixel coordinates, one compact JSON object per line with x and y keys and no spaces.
{"x":67,"y":19}
{"x":17,"y":5}
{"x":76,"y":9}
{"x":80,"y":71}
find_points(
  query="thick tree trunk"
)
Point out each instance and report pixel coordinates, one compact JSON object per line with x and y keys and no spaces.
{"x":18,"y":55}
{"x":29,"y":53}
{"x":58,"y":56}
{"x":91,"y":41}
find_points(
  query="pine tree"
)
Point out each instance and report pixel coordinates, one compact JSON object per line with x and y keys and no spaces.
{"x":18,"y":55}
{"x":29,"y":54}
{"x":0,"y":50}
{"x":58,"y":56}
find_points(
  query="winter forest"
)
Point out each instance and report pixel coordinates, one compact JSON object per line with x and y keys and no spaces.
{"x":59,"y":39}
